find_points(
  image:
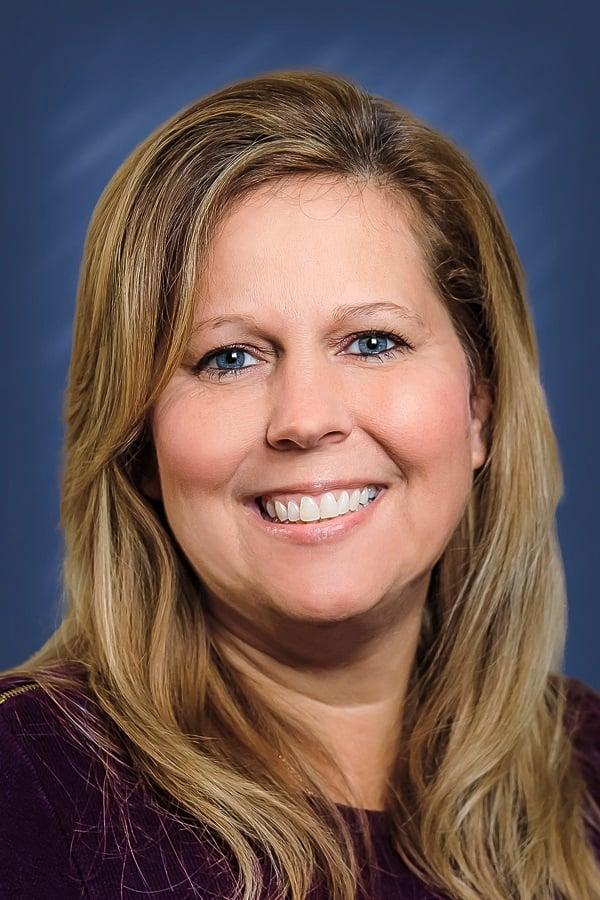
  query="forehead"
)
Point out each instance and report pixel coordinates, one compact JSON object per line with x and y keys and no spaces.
{"x":314,"y":241}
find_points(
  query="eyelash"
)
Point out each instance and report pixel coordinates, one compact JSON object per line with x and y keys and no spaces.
{"x":220,"y":374}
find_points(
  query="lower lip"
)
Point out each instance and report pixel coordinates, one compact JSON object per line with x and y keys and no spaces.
{"x":326,"y":530}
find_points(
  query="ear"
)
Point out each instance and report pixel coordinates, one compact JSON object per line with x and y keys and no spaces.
{"x":481,"y":405}
{"x":151,"y":487}
{"x":149,"y":474}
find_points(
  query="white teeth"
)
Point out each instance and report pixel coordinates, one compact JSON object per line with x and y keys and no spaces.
{"x":281,"y":511}
{"x":310,"y":510}
{"x":343,"y":503}
{"x":354,"y":500}
{"x":328,"y":507}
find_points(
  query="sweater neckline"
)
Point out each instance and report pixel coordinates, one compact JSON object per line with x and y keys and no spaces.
{"x":378,"y":819}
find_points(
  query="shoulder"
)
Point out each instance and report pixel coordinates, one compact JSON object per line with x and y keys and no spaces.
{"x":582,"y":721}
{"x":36,"y":716}
{"x":56,"y":731}
{"x":582,"y":718}
{"x":583,"y":713}
{"x":68,"y":828}
{"x":36,"y":734}
{"x":35,"y":796}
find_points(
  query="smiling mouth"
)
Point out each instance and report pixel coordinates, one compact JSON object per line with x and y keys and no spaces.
{"x":309,"y":513}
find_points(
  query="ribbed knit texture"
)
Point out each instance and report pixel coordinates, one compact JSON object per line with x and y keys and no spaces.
{"x":52,"y":840}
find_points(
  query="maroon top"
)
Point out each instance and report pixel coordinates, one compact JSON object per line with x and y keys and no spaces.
{"x":52,"y":845}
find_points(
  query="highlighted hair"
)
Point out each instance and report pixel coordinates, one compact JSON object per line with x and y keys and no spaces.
{"x":487,"y":797}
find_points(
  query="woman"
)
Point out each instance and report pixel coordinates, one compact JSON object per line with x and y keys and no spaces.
{"x":315,"y":606}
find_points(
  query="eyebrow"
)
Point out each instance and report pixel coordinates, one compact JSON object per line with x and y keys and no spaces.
{"x":340,"y":315}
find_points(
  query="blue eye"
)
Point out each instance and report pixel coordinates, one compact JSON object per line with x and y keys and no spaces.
{"x":372,"y":338}
{"x":237,"y":352}
{"x":234,"y":355}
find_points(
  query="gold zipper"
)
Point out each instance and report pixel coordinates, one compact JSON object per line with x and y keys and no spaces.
{"x":17,"y":690}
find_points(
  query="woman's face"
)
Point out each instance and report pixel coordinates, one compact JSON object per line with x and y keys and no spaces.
{"x":307,"y":401}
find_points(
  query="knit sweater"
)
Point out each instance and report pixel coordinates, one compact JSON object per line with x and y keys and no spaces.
{"x":59,"y":841}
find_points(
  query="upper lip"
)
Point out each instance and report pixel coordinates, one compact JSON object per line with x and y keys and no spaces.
{"x":319,"y":486}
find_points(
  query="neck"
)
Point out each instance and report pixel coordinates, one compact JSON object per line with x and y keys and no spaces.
{"x":355,"y":708}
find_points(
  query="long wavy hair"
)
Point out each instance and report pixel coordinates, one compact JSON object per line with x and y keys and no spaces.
{"x":486,"y":798}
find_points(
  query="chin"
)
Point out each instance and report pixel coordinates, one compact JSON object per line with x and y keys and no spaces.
{"x":333,"y":608}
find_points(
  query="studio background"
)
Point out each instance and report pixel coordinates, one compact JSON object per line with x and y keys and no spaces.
{"x":516,"y":85}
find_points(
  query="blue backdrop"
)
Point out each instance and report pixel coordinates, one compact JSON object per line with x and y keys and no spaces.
{"x":515,"y":84}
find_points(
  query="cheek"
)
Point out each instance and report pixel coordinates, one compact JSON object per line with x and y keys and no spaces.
{"x":425,"y":425}
{"x":424,"y":429}
{"x":200,"y":447}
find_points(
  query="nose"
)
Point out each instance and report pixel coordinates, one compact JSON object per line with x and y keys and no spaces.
{"x":309,"y":405}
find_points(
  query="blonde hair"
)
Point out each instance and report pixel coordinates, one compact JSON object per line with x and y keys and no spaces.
{"x":486,"y":797}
